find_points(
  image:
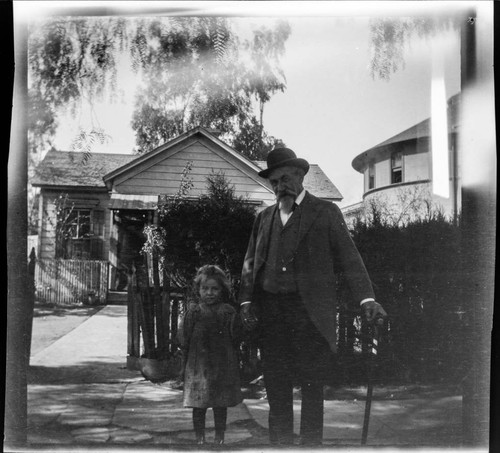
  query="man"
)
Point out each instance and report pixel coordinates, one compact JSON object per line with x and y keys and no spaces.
{"x":288,"y":289}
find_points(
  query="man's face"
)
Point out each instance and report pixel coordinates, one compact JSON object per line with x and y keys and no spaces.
{"x":286,"y":182}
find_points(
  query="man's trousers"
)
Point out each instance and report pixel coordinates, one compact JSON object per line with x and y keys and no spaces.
{"x":293,"y":353}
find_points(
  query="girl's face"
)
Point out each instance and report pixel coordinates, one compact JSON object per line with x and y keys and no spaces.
{"x":210,"y":291}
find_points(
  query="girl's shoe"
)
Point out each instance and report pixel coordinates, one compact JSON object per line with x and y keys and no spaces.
{"x":200,"y":437}
{"x":219,"y":437}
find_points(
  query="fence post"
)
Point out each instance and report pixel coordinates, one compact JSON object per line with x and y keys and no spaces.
{"x":146,"y":312}
{"x":157,"y":305}
{"x":130,"y":315}
{"x":136,"y":326}
{"x":174,"y":321}
{"x":165,"y":304}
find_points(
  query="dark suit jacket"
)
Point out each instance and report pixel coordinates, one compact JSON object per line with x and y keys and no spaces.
{"x":324,"y":248}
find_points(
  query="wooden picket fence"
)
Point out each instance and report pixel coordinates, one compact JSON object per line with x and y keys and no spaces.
{"x":154,"y":310}
{"x":71,"y":282}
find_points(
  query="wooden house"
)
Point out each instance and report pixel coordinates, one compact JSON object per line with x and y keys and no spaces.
{"x":107,"y":200}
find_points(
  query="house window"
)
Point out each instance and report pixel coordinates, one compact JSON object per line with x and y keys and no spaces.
{"x":80,"y":234}
{"x":396,"y":168}
{"x":371,"y":176}
{"x":79,"y":223}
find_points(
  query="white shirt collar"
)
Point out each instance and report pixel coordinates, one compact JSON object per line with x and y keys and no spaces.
{"x":300,"y":197}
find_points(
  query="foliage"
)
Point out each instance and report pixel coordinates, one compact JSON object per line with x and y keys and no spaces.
{"x":416,"y":272}
{"x":42,"y":121}
{"x":84,"y":142}
{"x":70,"y":60}
{"x":212,"y":229}
{"x":61,"y":223}
{"x":267,"y":47}
{"x":253,"y":142}
{"x":389,"y":39}
{"x":406,"y":205}
{"x":195,"y":74}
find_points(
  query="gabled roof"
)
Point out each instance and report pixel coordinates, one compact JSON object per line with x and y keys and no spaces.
{"x":170,"y":144}
{"x":315,"y":182}
{"x":66,"y":168}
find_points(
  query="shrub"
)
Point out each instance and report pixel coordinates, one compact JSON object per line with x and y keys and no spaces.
{"x":416,"y":272}
{"x":213,"y":229}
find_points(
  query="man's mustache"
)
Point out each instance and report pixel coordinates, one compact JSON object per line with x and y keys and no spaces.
{"x":286,"y":193}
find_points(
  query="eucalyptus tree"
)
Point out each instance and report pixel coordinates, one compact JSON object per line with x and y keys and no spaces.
{"x":193,"y":73}
{"x":390,"y":37}
{"x":198,"y":71}
{"x":70,"y":60}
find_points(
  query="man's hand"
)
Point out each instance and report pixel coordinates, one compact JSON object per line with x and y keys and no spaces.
{"x":248,"y":317}
{"x":373,"y":311}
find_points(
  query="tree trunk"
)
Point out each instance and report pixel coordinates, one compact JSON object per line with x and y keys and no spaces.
{"x":20,"y":300}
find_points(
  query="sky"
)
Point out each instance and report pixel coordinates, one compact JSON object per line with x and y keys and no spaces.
{"x":332,"y":109}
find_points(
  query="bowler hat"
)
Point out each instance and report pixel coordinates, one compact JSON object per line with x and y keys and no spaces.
{"x":283,"y":157}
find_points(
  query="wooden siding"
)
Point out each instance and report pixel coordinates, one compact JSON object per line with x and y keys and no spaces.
{"x":47,"y":232}
{"x":163,"y":176}
{"x":47,"y":235}
{"x":71,"y":282}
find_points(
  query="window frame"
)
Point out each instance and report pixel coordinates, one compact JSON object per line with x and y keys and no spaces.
{"x":85,"y":238}
{"x":371,"y":176}
{"x":94,"y":228}
{"x":396,"y":170}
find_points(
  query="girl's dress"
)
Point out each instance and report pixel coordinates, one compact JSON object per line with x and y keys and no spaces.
{"x":211,"y":374}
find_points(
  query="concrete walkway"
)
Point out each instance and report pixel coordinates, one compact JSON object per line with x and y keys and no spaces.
{"x":82,"y":396}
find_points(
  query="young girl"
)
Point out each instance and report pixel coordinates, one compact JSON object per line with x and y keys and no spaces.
{"x":211,"y":374}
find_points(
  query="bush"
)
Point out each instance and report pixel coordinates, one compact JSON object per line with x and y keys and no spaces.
{"x":416,"y":272}
{"x":213,"y":229}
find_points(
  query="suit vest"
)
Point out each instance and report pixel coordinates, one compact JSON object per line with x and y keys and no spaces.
{"x":278,"y":274}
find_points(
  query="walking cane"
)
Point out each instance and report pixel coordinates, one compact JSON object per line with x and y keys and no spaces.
{"x":377,"y":324}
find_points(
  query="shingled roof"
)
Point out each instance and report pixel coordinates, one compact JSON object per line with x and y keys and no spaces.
{"x":315,"y":182}
{"x":415,"y":132}
{"x":66,"y":169}
{"x":423,"y":129}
